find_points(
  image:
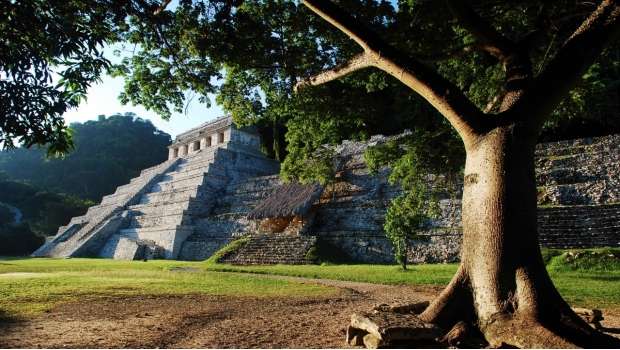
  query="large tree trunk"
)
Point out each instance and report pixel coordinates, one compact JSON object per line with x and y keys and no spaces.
{"x":502,"y":285}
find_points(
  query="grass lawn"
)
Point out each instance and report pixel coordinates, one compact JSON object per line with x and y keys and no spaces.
{"x":432,"y":274}
{"x":29,"y":286}
{"x":592,"y":288}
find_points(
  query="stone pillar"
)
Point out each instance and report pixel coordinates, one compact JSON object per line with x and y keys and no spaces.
{"x":170,"y":153}
{"x":203,"y":142}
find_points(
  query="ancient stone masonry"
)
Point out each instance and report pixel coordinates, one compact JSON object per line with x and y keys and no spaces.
{"x":198,"y":201}
{"x":153,"y":215}
{"x":579,"y":193}
{"x":578,"y":185}
{"x":351,"y":216}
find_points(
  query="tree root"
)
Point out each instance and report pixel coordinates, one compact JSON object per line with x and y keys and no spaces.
{"x":525,"y":332}
{"x":550,"y":323}
{"x":465,"y":335}
{"x":453,"y":305}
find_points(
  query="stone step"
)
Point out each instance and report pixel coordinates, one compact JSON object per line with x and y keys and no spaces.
{"x":206,"y":165}
{"x":157,"y":168}
{"x":142,"y":233}
{"x":195,"y":180}
{"x":196,"y":163}
{"x":183,"y":173}
{"x":170,"y":195}
{"x":594,"y":192}
{"x":128,"y":188}
{"x":189,"y":206}
{"x":97,"y":209}
{"x":258,"y":184}
{"x":603,"y":160}
{"x":269,"y":250}
{"x":164,"y":220}
{"x":595,"y":144}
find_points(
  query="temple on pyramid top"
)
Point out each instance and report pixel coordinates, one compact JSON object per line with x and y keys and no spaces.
{"x":216,"y":133}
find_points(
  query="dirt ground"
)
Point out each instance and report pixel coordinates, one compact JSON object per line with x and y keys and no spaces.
{"x":198,"y":321}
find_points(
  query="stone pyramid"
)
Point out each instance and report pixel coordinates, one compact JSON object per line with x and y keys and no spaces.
{"x":153,"y":215}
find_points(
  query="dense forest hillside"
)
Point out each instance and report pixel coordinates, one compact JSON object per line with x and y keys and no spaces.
{"x":38,"y":194}
{"x":109,"y":153}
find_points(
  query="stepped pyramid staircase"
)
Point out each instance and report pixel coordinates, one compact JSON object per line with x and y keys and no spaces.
{"x":153,"y":215}
{"x":110,"y":215}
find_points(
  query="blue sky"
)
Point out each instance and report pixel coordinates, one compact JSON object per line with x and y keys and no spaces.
{"x":103,"y":99}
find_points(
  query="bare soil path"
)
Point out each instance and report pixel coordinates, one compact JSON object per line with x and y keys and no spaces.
{"x":200,"y":321}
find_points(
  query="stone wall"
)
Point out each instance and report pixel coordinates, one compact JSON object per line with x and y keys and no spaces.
{"x":193,"y":205}
{"x":578,"y":186}
{"x":351,"y":215}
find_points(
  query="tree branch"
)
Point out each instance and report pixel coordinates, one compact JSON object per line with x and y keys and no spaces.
{"x":490,"y":39}
{"x":162,"y":7}
{"x":343,"y":21}
{"x":358,"y":62}
{"x":570,"y":63}
{"x":448,"y":99}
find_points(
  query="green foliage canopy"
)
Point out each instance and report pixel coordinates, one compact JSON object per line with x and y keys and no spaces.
{"x":252,"y":53}
{"x":41,"y":38}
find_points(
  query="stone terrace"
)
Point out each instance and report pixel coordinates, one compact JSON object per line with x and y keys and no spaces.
{"x":197,"y":202}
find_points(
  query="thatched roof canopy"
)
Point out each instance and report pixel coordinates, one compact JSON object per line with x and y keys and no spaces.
{"x":290,"y":199}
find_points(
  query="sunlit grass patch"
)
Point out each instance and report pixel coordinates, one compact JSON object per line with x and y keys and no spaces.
{"x":30,"y":286}
{"x":431,"y":274}
{"x":585,"y":260}
{"x":597,"y":289}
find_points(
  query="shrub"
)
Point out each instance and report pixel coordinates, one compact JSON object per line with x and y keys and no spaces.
{"x":232,"y":247}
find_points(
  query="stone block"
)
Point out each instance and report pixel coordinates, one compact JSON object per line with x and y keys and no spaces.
{"x":128,"y":249}
{"x":395,"y":326}
{"x":355,"y":336}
